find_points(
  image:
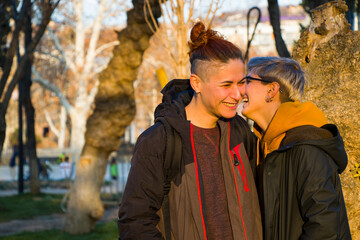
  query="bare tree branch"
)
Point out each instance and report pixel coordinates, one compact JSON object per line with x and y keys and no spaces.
{"x":13,"y":45}
{"x":105,"y":46}
{"x":43,"y":54}
{"x":51,"y":87}
{"x":89,"y":61}
{"x":58,"y":46}
{"x":51,"y":123}
{"x":47,"y":11}
{"x":175,"y":28}
{"x":92,"y":93}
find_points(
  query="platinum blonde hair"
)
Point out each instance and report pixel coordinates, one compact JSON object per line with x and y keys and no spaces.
{"x":285,"y":71}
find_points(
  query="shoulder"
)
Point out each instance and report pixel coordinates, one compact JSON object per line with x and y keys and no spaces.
{"x":152,"y":140}
{"x":240,"y":127}
{"x":309,"y":158}
{"x":305,"y":152}
{"x":238,"y":120}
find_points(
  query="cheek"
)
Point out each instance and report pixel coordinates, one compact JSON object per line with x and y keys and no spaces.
{"x":221,"y":93}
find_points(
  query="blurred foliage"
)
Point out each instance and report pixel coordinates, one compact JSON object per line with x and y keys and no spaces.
{"x":107,"y":231}
{"x":26,"y":206}
{"x":4,"y":29}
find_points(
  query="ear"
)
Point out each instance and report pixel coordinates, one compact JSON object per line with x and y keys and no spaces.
{"x":274,"y":88}
{"x":195,"y":82}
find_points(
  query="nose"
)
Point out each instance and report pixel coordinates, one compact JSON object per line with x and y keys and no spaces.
{"x":242,"y":89}
{"x":236,"y":93}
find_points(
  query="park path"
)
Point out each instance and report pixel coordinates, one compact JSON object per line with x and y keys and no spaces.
{"x":55,"y":221}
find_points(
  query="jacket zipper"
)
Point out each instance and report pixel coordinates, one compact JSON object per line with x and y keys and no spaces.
{"x":197,"y":180}
{"x":236,"y":186}
{"x":238,"y":163}
{"x":236,"y":160}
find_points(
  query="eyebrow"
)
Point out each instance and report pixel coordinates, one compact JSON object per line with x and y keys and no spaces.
{"x":226,"y":82}
{"x":256,"y":79}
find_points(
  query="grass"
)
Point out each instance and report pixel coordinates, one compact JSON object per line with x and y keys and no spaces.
{"x":26,"y":206}
{"x":106,"y":231}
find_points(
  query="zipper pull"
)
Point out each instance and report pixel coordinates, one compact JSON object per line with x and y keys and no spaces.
{"x":236,"y":160}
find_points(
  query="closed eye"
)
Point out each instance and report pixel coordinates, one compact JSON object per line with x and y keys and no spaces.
{"x":242,"y":82}
{"x":226,"y":84}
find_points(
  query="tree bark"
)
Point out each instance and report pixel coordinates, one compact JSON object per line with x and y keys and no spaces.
{"x":30,"y":114}
{"x":328,"y":51}
{"x":274,"y":13}
{"x":4,"y":29}
{"x":78,"y":126}
{"x":6,"y":67}
{"x":46,"y":10}
{"x":114,"y":111}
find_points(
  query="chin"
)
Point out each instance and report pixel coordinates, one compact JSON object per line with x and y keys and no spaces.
{"x":229,"y":115}
{"x":243,"y":112}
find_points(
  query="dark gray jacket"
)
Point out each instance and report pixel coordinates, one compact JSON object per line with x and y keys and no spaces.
{"x":301,"y":187}
{"x":140,"y":215}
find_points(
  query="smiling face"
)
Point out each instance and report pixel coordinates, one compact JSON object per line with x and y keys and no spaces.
{"x":254,"y":95}
{"x":220,"y":93}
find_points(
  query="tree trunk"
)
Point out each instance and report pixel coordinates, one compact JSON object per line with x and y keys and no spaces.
{"x":30,"y":114}
{"x":275,"y":23}
{"x":4,"y":29}
{"x":114,"y":111}
{"x":328,"y":51}
{"x":46,"y":10}
{"x":85,"y":206}
{"x":2,"y":126}
{"x":78,"y":126}
{"x":62,"y":128}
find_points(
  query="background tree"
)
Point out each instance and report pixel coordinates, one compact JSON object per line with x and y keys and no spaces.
{"x":4,"y":29}
{"x":353,"y":8}
{"x":79,"y":55}
{"x":274,"y":14}
{"x":177,"y":18}
{"x":24,"y":92}
{"x":22,"y":21}
{"x":114,"y":110}
{"x":334,"y":86}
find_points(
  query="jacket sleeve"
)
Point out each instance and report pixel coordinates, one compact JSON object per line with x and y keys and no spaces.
{"x":143,"y":194}
{"x":318,"y":197}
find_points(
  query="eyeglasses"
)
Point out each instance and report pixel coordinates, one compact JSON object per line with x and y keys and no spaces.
{"x":247,"y":79}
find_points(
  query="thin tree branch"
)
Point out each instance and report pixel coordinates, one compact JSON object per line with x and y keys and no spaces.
{"x":105,"y":46}
{"x":92,"y":94}
{"x":13,"y":45}
{"x":51,"y":123}
{"x":90,"y":57}
{"x":58,"y":46}
{"x":51,"y":87}
{"x":29,"y":52}
{"x":147,"y":9}
{"x":43,"y":54}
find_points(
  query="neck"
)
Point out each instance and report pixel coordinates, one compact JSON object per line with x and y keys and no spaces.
{"x":265,"y":119}
{"x":199,"y":116}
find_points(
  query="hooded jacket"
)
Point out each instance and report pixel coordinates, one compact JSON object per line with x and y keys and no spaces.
{"x":140,"y":213}
{"x":300,"y":186}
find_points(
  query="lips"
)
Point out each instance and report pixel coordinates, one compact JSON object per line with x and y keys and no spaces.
{"x":245,"y":99}
{"x":231,"y":105}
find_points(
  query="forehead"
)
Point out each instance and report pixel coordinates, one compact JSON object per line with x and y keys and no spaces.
{"x":232,"y":70}
{"x":209,"y":69}
{"x":253,"y":74}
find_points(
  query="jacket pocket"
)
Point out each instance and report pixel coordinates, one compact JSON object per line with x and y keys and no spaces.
{"x":238,"y":163}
